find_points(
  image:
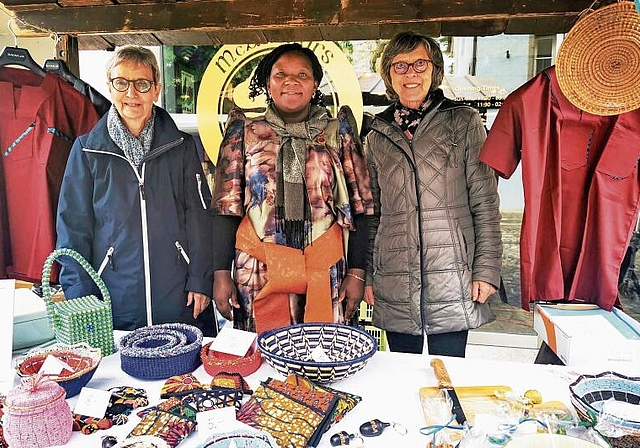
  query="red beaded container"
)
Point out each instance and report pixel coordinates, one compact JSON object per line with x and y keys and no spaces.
{"x":36,"y":414}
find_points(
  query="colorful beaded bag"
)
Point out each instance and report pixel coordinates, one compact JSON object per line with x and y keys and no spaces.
{"x":83,"y":319}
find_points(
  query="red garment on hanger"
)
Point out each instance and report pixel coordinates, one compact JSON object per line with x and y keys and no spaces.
{"x":581,"y":191}
{"x":39,"y":119}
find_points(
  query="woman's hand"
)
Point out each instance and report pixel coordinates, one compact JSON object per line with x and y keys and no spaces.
{"x":480,"y":291}
{"x":225,"y":294}
{"x":368,"y":295}
{"x":352,"y":289}
{"x":200,"y":302}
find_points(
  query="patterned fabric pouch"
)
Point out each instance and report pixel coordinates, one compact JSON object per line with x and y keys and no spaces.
{"x":169,"y":420}
{"x":225,"y":380}
{"x":180,"y":385}
{"x":123,"y":400}
{"x":322,"y":401}
{"x":206,"y":400}
{"x":294,"y":417}
{"x":346,"y":401}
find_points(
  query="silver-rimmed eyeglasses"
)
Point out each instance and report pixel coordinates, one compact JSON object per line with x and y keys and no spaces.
{"x":419,"y":66}
{"x":122,"y":84}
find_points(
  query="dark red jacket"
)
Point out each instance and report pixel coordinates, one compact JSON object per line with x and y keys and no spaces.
{"x":581,"y":191}
{"x":39,"y":119}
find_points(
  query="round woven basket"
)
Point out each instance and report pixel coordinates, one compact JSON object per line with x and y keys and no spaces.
{"x":295,"y":349}
{"x":598,"y":64}
{"x":161,"y":351}
{"x":589,"y":393}
{"x":81,"y":358}
{"x":216,"y":362}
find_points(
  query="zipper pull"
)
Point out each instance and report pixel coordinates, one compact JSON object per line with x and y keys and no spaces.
{"x":108,"y":260}
{"x":142,"y":193}
{"x":199,"y":181}
{"x":182,"y":252}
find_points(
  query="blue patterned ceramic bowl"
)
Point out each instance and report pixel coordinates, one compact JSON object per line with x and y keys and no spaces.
{"x":590,"y":392}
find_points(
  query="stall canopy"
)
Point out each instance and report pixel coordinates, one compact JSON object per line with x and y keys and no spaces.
{"x":104,"y":24}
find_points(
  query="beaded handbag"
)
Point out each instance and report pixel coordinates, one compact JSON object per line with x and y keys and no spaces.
{"x":83,"y":319}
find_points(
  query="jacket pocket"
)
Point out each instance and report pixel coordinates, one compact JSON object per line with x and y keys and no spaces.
{"x":462,"y":246}
{"x":620,"y":156}
{"x":20,"y":148}
{"x":575,"y":139}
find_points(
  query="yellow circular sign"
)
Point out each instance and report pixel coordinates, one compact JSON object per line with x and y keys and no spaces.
{"x":225,"y":85}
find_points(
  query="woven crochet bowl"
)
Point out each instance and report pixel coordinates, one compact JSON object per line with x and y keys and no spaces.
{"x":216,"y":362}
{"x":160,"y":351}
{"x":81,"y":358}
{"x":323,"y":353}
{"x":590,"y":392}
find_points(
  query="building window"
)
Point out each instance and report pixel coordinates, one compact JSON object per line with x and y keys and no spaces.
{"x":543,"y":51}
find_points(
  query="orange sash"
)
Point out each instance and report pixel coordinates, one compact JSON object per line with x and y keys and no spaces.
{"x":292,"y":271}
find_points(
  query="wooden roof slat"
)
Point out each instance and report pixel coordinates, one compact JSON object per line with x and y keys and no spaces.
{"x":83,"y":3}
{"x":93,"y":42}
{"x":190,"y":22}
{"x":180,"y":37}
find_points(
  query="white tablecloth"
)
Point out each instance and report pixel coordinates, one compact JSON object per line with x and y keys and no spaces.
{"x":389,"y":385}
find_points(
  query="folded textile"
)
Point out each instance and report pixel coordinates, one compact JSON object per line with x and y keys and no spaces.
{"x":295,"y":416}
{"x":170,"y":420}
{"x":346,"y":401}
{"x":206,"y":400}
{"x":123,"y":400}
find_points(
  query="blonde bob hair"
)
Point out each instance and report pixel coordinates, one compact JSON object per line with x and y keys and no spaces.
{"x":134,"y":53}
{"x":406,"y":42}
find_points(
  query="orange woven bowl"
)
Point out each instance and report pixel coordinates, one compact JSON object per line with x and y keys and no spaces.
{"x":215,"y":362}
{"x":81,"y":358}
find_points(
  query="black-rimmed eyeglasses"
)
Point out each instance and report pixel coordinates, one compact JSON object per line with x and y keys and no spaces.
{"x":122,"y":84}
{"x":419,"y":66}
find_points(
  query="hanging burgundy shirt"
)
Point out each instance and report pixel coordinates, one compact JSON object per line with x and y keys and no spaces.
{"x":581,"y":191}
{"x":39,"y":119}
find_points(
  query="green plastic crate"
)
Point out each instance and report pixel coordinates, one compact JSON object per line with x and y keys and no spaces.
{"x":379,"y":335}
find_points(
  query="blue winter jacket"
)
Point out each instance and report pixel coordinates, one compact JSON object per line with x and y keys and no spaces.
{"x":150,"y":229}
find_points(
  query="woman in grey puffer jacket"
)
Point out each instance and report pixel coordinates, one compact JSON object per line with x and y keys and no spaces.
{"x":435,"y":244}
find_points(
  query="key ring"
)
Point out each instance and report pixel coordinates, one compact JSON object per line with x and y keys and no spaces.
{"x":343,"y":438}
{"x":375,"y":427}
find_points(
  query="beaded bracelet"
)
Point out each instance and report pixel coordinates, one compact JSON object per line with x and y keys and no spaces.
{"x":350,"y":274}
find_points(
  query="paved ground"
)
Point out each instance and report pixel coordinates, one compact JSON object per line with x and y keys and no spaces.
{"x":510,"y":317}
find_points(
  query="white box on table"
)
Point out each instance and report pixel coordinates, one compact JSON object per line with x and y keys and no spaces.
{"x":587,"y":334}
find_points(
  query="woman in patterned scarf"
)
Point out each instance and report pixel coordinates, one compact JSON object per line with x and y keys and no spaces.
{"x":290,"y":186}
{"x":435,"y":246}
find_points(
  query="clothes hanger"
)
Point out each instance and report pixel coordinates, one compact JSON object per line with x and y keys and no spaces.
{"x":19,"y":56}
{"x":58,"y":66}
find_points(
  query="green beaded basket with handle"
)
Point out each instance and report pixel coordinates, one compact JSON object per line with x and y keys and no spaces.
{"x":83,"y":319}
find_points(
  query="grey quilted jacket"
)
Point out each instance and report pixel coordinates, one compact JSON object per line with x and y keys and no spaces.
{"x":437,"y":221}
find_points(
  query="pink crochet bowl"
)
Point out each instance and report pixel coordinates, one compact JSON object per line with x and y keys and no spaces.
{"x":37,"y":414}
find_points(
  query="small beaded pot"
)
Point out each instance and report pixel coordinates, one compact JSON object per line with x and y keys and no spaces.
{"x":37,"y":414}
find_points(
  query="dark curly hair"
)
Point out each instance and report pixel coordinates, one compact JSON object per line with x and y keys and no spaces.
{"x":258,"y":83}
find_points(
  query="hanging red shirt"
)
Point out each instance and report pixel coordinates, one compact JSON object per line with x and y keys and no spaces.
{"x":39,"y":119}
{"x":581,"y":191}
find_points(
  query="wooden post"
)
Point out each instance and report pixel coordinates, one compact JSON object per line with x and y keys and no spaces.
{"x":67,"y":51}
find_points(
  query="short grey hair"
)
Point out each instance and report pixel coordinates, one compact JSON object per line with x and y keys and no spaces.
{"x":134,"y":53}
{"x":406,"y":42}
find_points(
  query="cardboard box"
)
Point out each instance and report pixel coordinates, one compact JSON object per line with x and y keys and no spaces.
{"x":586,"y":334}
